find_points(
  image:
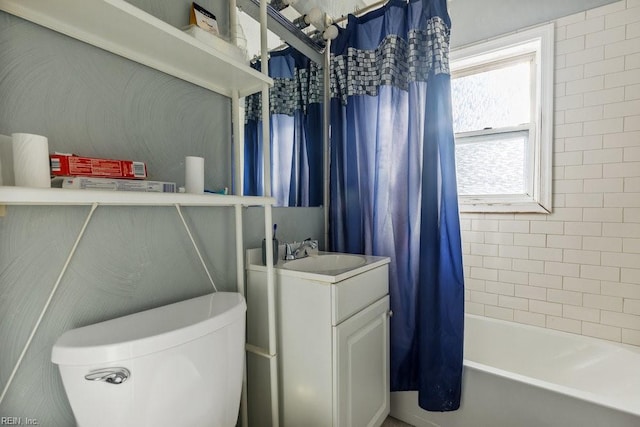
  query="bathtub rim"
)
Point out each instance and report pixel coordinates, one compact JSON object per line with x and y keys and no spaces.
{"x":546,"y":385}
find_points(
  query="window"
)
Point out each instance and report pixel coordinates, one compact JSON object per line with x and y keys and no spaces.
{"x":502,"y":96}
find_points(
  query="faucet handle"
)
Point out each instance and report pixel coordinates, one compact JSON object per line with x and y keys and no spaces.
{"x":313,"y":244}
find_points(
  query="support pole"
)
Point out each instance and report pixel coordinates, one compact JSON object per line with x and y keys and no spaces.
{"x":238,"y":145}
{"x":268,"y":221}
{"x":326,"y":117}
{"x":266,"y":131}
{"x":233,"y":22}
{"x":244,"y":416}
{"x":271,"y":310}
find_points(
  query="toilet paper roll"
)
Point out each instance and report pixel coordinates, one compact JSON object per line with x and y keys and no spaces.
{"x":31,"y":160}
{"x":194,"y":174}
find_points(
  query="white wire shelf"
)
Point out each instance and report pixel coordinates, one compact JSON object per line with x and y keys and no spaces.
{"x":63,"y":196}
{"x":123,"y":29}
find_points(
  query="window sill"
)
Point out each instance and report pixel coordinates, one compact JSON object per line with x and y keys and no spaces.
{"x":501,"y":204}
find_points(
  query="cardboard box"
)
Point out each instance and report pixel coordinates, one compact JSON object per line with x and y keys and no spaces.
{"x":114,"y":184}
{"x":72,"y":165}
{"x":204,"y":19}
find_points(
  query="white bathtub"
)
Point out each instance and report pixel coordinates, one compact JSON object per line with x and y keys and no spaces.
{"x":524,"y":376}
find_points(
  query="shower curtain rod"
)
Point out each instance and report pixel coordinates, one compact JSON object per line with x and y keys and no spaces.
{"x":342,"y":18}
{"x":283,"y":46}
{"x":357,"y":12}
{"x":284,"y":29}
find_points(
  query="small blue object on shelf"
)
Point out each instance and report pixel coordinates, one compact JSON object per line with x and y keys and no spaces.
{"x":224,"y":191}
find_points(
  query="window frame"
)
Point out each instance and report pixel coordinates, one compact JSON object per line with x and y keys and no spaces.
{"x":539,"y":43}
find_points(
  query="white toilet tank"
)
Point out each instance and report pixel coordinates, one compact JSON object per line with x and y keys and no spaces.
{"x":177,"y":365}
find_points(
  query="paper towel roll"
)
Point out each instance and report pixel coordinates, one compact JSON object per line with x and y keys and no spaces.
{"x":194,"y":175}
{"x":31,"y":160}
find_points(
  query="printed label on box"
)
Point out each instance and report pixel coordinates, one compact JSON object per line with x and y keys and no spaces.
{"x":69,"y":165}
{"x":86,"y":183}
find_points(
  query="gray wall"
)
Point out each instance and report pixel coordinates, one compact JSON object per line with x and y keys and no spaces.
{"x":473,"y":20}
{"x":91,"y":102}
{"x":294,"y":224}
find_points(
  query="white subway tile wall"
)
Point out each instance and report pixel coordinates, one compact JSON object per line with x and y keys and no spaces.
{"x":578,"y":268}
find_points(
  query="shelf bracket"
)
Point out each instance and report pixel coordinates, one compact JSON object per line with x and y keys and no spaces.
{"x":48,"y":302}
{"x":195,"y":246}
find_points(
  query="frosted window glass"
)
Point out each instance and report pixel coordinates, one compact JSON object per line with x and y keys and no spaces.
{"x":492,"y":166}
{"x":492,"y":99}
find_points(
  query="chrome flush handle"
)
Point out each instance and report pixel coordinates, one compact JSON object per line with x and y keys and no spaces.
{"x":110,"y":375}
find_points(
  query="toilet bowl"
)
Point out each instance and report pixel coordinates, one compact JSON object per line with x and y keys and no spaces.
{"x":176,"y":365}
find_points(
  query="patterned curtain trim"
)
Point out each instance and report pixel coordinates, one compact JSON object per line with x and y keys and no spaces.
{"x":395,"y":62}
{"x":289,"y":94}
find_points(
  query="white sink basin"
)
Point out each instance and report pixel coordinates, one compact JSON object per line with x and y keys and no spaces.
{"x":325,"y":263}
{"x":329,"y":267}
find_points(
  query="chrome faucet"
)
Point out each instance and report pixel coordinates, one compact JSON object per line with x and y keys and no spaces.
{"x":297,"y":250}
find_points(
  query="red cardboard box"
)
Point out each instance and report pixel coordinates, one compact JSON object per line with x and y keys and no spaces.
{"x":72,"y":165}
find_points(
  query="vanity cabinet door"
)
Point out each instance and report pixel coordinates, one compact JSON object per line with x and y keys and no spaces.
{"x":361,"y":367}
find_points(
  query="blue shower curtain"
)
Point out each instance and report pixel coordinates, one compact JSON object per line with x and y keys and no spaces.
{"x":295,"y":103}
{"x":393,"y":184}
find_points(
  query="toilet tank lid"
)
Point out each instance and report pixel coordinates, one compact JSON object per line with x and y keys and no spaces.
{"x":148,"y":331}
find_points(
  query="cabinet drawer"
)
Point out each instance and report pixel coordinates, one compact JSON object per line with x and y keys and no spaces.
{"x":356,"y":293}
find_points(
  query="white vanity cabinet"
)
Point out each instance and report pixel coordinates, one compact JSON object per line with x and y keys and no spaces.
{"x":333,"y":345}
